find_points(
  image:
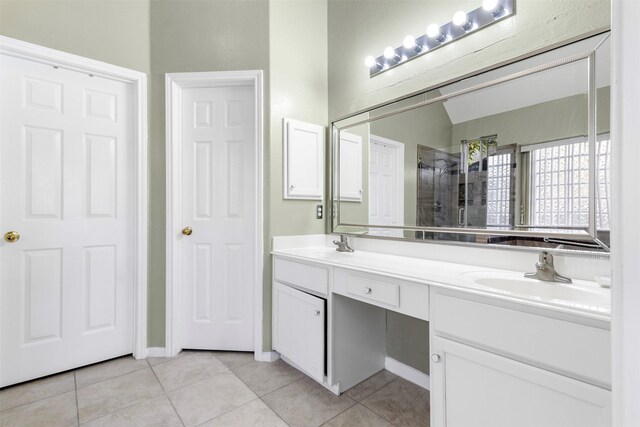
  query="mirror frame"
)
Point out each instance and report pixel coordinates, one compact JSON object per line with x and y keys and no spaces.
{"x":580,"y":234}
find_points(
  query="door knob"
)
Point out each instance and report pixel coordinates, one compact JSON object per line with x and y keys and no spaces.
{"x":12,"y":236}
{"x":187,"y":231}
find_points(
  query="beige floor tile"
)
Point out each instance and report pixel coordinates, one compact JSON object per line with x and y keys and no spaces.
{"x":158,"y":360}
{"x":306,"y":403}
{"x":265,"y":377}
{"x":369,"y":386}
{"x":106,"y":397}
{"x":232,"y":359}
{"x":188,"y":370}
{"x":254,"y":413}
{"x":32,"y":391}
{"x":209,"y":398}
{"x":153,"y":412}
{"x":357,"y":416}
{"x":106,"y":370}
{"x":402,"y":403}
{"x":53,"y":411}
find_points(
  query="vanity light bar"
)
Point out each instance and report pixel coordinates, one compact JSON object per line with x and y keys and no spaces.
{"x":461,"y":25}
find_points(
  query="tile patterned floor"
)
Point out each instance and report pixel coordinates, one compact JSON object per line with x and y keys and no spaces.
{"x":203,"y":388}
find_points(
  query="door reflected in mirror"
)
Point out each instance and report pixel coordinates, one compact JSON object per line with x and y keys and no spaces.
{"x":518,"y":155}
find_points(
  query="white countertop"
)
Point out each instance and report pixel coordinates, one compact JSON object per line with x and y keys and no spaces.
{"x":593,"y":301}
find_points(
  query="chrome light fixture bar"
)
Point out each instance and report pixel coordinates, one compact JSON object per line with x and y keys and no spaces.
{"x":462,"y":24}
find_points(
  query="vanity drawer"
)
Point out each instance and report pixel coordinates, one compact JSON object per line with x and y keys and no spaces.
{"x":572,"y":349}
{"x":374,"y":290}
{"x":404,"y":297}
{"x":300,"y":275}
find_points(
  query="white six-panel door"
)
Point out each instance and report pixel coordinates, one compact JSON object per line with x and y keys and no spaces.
{"x":386,"y":184}
{"x":66,"y":167}
{"x":218,"y":204}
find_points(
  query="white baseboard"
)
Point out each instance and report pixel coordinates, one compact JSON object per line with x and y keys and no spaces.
{"x":156,"y":352}
{"x":407,"y":372}
{"x":267,"y":356}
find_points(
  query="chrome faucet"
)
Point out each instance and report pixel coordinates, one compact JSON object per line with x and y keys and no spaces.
{"x":545,"y":270}
{"x":343,"y":244}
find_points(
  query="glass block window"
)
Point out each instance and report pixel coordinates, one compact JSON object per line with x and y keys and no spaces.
{"x":498,"y":189}
{"x":560,"y":184}
{"x":603,"y":189}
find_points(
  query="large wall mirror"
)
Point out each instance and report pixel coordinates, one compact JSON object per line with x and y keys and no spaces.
{"x":518,"y":155}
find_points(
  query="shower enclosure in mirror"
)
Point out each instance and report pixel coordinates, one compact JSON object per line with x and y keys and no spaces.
{"x":519,"y":155}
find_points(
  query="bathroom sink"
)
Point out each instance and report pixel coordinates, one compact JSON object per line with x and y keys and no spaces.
{"x":580,"y":294}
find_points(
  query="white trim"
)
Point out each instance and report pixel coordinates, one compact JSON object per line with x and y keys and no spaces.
{"x":156,"y":352}
{"x":174,"y":83}
{"x":625,"y":232}
{"x":407,"y":372}
{"x":399,"y":148}
{"x":138,"y":80}
{"x":267,"y":356}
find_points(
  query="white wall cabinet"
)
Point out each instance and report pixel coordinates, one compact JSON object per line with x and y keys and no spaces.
{"x":472,"y":387}
{"x":299,"y":329}
{"x":303,"y":160}
{"x":350,"y":167}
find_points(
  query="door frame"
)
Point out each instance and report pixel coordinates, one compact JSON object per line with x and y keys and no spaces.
{"x":399,"y":168}
{"x":174,"y":85}
{"x":44,"y":55}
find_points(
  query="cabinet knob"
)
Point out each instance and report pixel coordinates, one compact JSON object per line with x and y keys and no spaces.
{"x":292,"y":186}
{"x":367,"y":290}
{"x":317,"y":312}
{"x":435,"y":358}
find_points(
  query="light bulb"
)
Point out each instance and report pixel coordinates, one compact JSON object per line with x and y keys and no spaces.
{"x":460,"y":18}
{"x":489,"y":5}
{"x":409,"y":42}
{"x":433,"y":31}
{"x":370,"y":61}
{"x":389,"y":52}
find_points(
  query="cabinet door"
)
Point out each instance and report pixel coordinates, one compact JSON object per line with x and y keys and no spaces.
{"x":303,"y":160}
{"x":350,"y":167}
{"x":471,"y":387}
{"x":299,"y":328}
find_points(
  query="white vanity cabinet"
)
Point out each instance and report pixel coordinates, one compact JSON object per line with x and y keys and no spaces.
{"x":299,"y":313}
{"x":299,"y":329}
{"x":494,"y":365}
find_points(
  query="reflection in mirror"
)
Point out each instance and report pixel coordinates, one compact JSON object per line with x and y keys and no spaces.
{"x":509,"y":161}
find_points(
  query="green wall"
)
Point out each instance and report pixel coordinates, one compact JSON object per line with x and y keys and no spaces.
{"x":190,"y":36}
{"x":111,"y":31}
{"x":298,"y":60}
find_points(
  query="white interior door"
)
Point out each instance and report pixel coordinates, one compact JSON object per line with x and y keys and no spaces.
{"x":66,"y":166}
{"x":218,"y":203}
{"x":386,"y":178}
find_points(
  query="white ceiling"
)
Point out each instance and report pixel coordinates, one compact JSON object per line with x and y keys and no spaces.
{"x":561,"y":82}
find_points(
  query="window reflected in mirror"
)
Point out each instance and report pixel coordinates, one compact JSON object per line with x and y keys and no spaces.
{"x":504,"y":155}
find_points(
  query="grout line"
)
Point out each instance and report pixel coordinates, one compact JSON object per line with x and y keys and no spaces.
{"x":279,"y":388}
{"x":337,"y":415}
{"x":167,"y":396}
{"x":274,"y":411}
{"x":116,"y":376}
{"x":230,"y":410}
{"x":34,"y":380}
{"x":75,"y":389}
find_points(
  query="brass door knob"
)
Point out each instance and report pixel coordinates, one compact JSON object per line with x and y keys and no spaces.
{"x":187,"y":231}
{"x":11,"y":236}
